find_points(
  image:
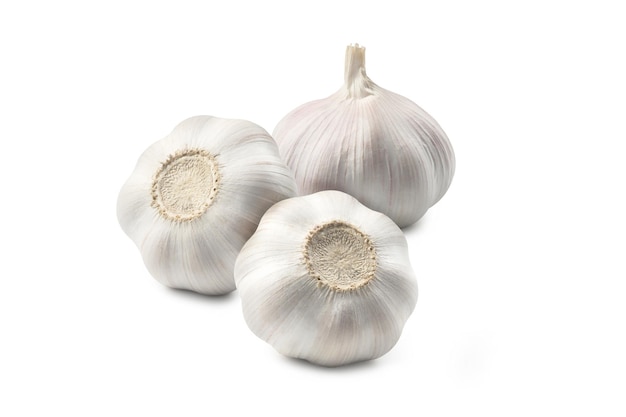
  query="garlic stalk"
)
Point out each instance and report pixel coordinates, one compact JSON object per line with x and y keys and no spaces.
{"x":371,"y":143}
{"x":197,"y":195}
{"x":326,"y":279}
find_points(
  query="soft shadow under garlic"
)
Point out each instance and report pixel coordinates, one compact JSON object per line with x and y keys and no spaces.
{"x":202,"y":298}
{"x":361,"y":366}
{"x":416,"y":227}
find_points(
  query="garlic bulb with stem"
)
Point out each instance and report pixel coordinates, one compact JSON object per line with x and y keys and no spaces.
{"x":376,"y":145}
{"x":326,"y":279}
{"x":197,"y":195}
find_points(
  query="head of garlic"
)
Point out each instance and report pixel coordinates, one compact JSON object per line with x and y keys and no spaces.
{"x":376,"y":145}
{"x":326,"y":279}
{"x":197,"y":195}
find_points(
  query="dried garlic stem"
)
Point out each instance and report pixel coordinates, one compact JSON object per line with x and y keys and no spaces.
{"x":357,"y":82}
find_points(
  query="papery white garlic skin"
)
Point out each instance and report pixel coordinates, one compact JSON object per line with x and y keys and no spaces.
{"x":373,"y":144}
{"x":346,"y":299}
{"x":197,"y":195}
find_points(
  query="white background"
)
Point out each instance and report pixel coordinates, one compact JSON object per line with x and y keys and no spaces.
{"x":520,"y":266}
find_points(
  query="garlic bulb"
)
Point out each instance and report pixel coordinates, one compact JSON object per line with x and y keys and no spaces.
{"x":326,"y":279}
{"x":376,"y":145}
{"x":197,"y":195}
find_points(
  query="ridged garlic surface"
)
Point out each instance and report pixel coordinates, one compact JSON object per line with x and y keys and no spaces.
{"x":197,"y":195}
{"x":326,"y":279}
{"x":376,"y":145}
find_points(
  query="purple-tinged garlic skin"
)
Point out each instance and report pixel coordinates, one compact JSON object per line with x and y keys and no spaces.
{"x":371,"y":143}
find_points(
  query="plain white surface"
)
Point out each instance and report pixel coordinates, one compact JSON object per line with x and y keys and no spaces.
{"x":520,"y":266}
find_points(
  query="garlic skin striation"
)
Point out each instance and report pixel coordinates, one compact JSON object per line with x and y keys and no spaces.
{"x":373,"y":144}
{"x":197,"y":195}
{"x":326,"y":279}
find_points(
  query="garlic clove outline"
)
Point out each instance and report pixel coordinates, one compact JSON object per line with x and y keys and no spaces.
{"x":371,"y":143}
{"x":196,"y":196}
{"x":326,"y":279}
